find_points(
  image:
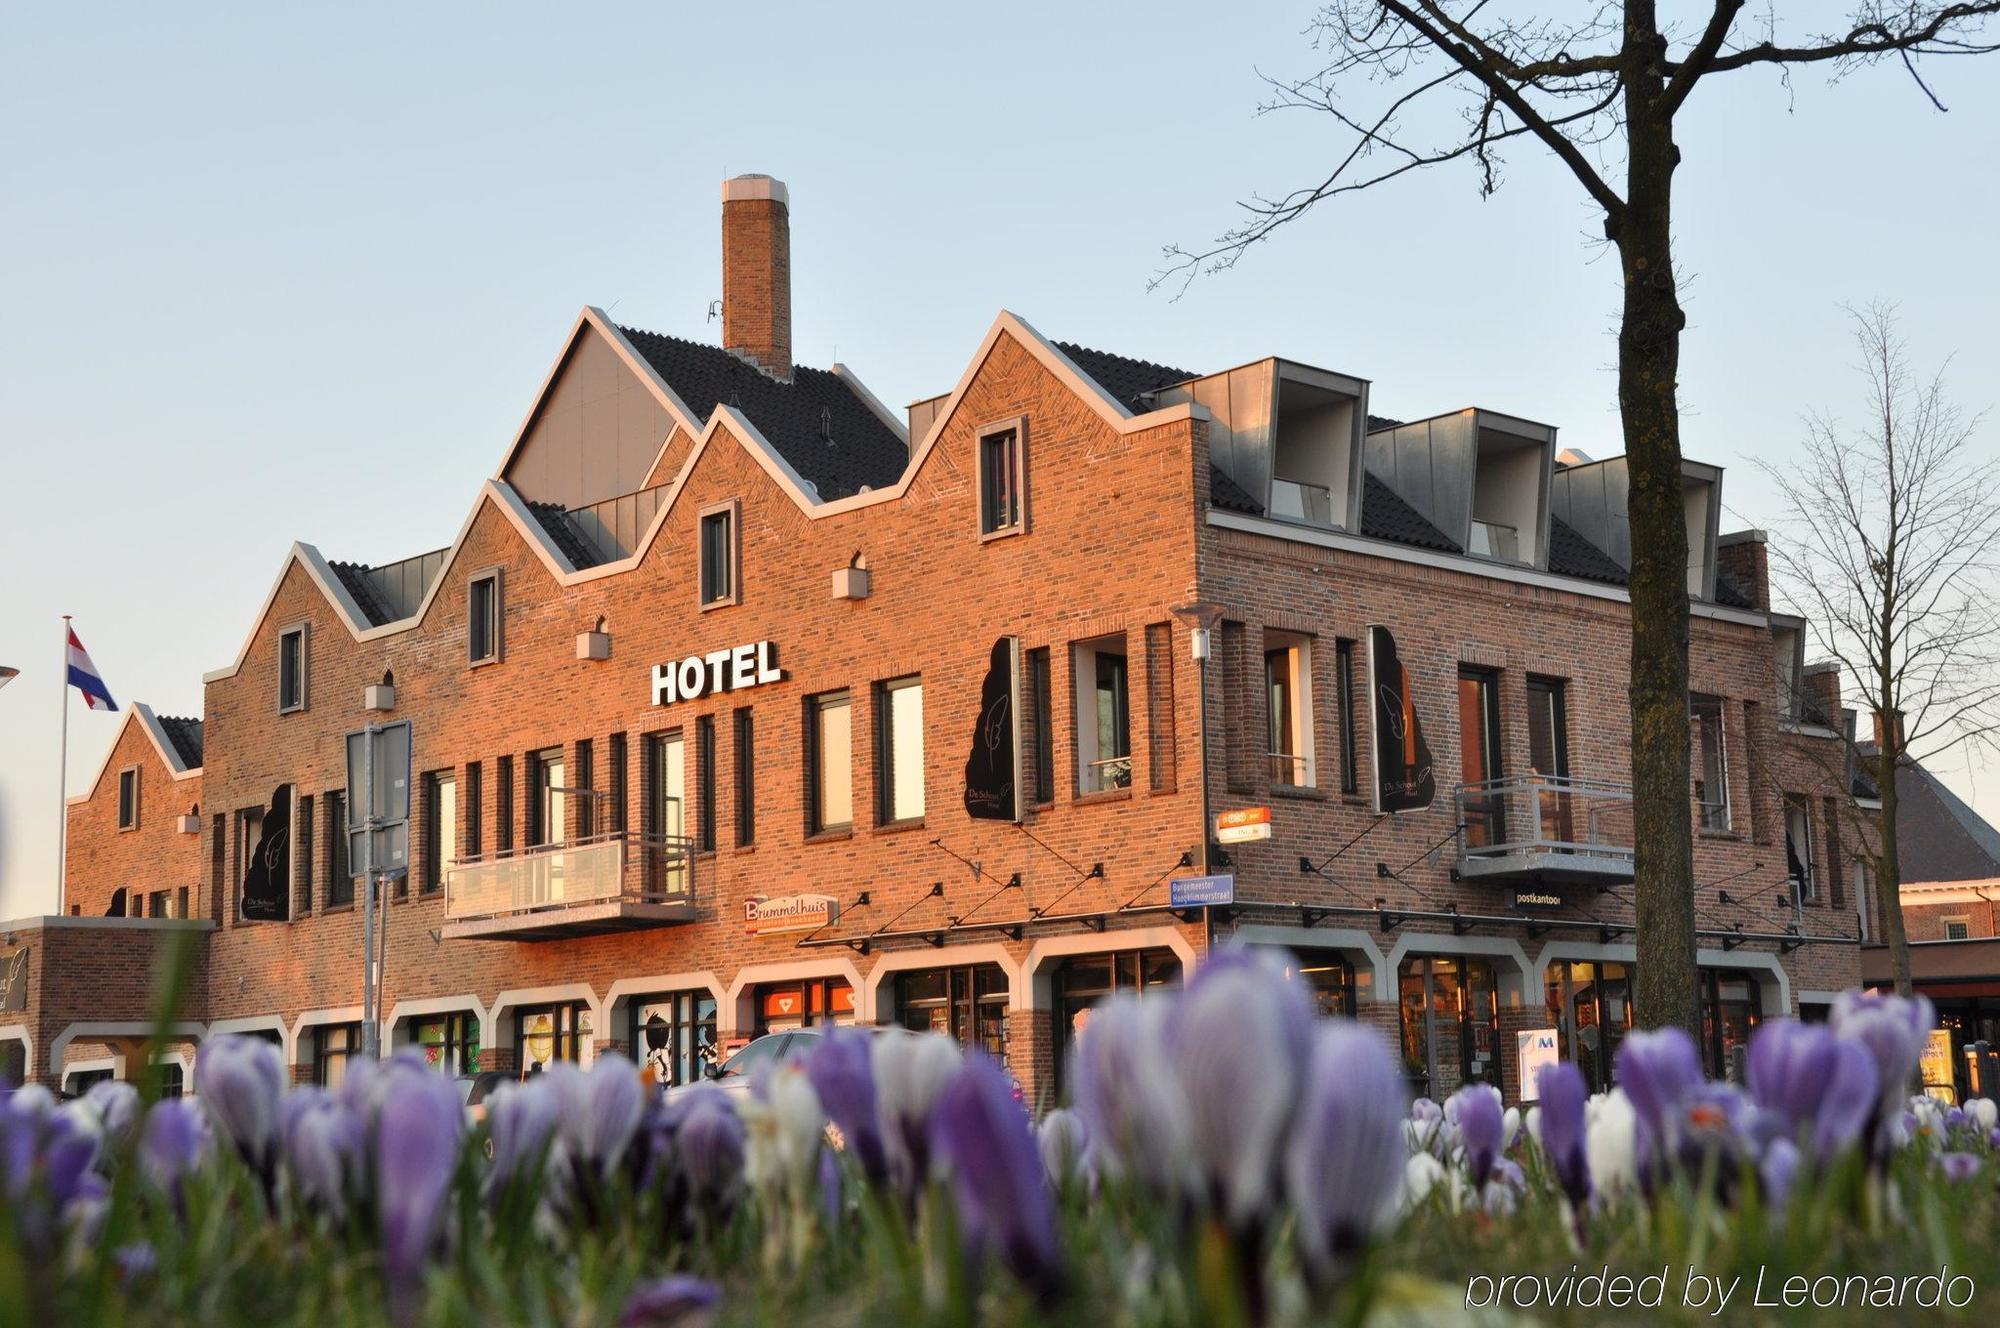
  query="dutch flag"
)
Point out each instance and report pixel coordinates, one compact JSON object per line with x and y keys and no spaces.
{"x":83,"y":676}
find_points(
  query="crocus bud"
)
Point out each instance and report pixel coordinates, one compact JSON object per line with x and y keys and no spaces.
{"x":325,"y":1143}
{"x":1564,"y":1101}
{"x":521,"y":1121}
{"x":786,"y":1129}
{"x":1958,"y":1167}
{"x":709,"y":1143}
{"x":1611,"y":1141}
{"x":842,"y":1074}
{"x":1134,"y":1109}
{"x":1894,"y":1030}
{"x":910,"y":1070}
{"x":1003,"y":1205}
{"x":110,"y":1108}
{"x":1658,"y":1069}
{"x":417,"y":1134}
{"x":678,"y":1301}
{"x":240,"y":1079}
{"x":601,"y":1112}
{"x":1482,"y":1127}
{"x":1345,"y":1160}
{"x":1982,"y":1113}
{"x":1062,"y":1139}
{"x":173,"y":1142}
{"x":1815,"y":1082}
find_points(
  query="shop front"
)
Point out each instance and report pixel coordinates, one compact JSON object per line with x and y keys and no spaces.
{"x":1450,"y":1023}
{"x":1082,"y":980}
{"x":671,"y":1035}
{"x":450,"y":1042}
{"x":334,"y":1048}
{"x":967,"y":1003}
{"x":785,"y":1006}
{"x":1589,"y":1003}
{"x":545,"y":1034}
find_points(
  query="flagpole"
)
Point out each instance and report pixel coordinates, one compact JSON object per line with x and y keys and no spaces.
{"x":62,"y":783}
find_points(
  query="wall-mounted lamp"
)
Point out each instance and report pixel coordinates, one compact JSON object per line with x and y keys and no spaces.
{"x":595,"y":643}
{"x":191,"y":823}
{"x":380,"y":696}
{"x":851,"y":581}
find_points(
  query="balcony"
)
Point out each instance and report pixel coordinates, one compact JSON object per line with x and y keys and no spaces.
{"x":1550,"y":830}
{"x":1296,"y":500}
{"x":614,"y":882}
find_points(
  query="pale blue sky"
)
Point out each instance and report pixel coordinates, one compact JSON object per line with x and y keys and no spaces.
{"x":266,"y":276}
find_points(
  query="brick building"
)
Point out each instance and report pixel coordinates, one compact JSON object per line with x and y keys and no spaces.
{"x":741,"y":702}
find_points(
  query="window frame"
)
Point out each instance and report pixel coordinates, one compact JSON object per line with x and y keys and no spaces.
{"x":745,"y":773}
{"x":1723,"y":820}
{"x":730,"y":510}
{"x":886,"y":692}
{"x":1017,"y":429}
{"x":1804,"y":888}
{"x":1089,"y":780}
{"x":1960,"y":920}
{"x":496,"y":613}
{"x":302,"y":632}
{"x":1350,"y":765}
{"x":437,"y":826}
{"x":1297,"y":648}
{"x":339,"y":870}
{"x":704,"y":784}
{"x":1038,"y":761}
{"x":1488,"y":809}
{"x":129,"y":778}
{"x":817,"y":707}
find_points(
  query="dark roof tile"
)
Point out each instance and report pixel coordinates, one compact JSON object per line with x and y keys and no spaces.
{"x":355,"y":577}
{"x":556,"y":522}
{"x":1386,"y":516}
{"x":1226,"y":493}
{"x":820,"y":425}
{"x":1126,"y":379}
{"x":1570,"y":554}
{"x":185,"y":736}
{"x":1730,"y":593}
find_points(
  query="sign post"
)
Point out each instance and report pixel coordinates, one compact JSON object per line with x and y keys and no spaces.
{"x":378,"y":839}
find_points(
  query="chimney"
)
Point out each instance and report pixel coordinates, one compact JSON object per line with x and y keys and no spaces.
{"x":757,"y":272}
{"x":1822,"y":694}
{"x":1900,"y":731}
{"x":1745,"y":558}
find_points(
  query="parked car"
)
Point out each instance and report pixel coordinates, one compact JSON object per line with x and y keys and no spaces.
{"x":777,"y":1050}
{"x":476,"y":1088}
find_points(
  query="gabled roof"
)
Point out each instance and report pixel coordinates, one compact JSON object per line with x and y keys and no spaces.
{"x":184,"y":736}
{"x":832,"y":436}
{"x":354,"y":576}
{"x":1939,"y":837}
{"x":1126,"y":379}
{"x":177,"y":742}
{"x":556,"y":521}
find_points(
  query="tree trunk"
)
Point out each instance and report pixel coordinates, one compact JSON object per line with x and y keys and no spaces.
{"x":1667,"y":984}
{"x":1889,"y":869}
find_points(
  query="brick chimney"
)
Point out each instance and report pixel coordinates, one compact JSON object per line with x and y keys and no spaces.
{"x":757,"y":272}
{"x":1822,"y":693}
{"x":1899,"y":730}
{"x":1745,"y":558}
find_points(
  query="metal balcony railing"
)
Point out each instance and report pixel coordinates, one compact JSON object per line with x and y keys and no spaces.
{"x":1544,"y":818}
{"x":1298,"y":501}
{"x":1491,"y":540}
{"x":603,"y":869}
{"x":1113,"y":772}
{"x":1287,"y":769}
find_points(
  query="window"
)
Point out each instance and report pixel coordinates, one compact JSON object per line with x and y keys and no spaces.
{"x":156,"y":904}
{"x":334,"y":1047}
{"x":1162,"y":760}
{"x":1336,"y":984}
{"x":586,"y":784}
{"x":1864,"y":900}
{"x":1711,"y":763}
{"x":1081,"y":981}
{"x":292,"y":669}
{"x":249,"y":831}
{"x":719,"y":556}
{"x":704,"y":774}
{"x":503,"y":827}
{"x":829,"y":763}
{"x":450,"y":1042}
{"x":1288,"y":709}
{"x":784,"y":1006}
{"x":1798,"y":850}
{"x":339,"y":876}
{"x":899,"y":750}
{"x":1590,"y":1006}
{"x":302,"y":858}
{"x":618,"y":790}
{"x":1343,"y":662}
{"x":672,"y":1037}
{"x":1485,"y":811}
{"x":1731,"y":1004}
{"x":666,"y":813}
{"x":218,"y":864}
{"x":1957,"y":929}
{"x":548,"y":804}
{"x":128,"y":798}
{"x":1038,"y":726}
{"x":546,"y":1034}
{"x":1451,"y":1015}
{"x":1103,"y":715}
{"x":1002,"y":481}
{"x":440,"y":827}
{"x":482,"y":617}
{"x":967,"y":1004}
{"x":1548,"y":758}
{"x":746,"y":779}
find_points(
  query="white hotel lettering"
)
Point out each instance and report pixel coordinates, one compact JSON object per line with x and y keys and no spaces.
{"x":717,"y":671}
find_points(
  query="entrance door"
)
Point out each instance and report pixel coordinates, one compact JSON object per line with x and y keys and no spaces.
{"x":1451,"y":1012}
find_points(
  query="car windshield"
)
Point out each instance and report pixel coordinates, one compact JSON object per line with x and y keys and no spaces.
{"x":763,"y":1051}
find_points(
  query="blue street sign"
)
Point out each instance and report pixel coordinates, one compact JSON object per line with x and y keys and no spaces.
{"x":1198,"y":891}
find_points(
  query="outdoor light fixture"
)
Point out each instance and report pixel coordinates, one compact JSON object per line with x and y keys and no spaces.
{"x":380,"y":696}
{"x":595,"y":643}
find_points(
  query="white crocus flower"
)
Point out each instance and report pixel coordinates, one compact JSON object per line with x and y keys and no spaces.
{"x":1611,"y":1141}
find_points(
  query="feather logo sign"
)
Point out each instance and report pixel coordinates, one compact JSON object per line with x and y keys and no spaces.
{"x":992,"y":771}
{"x":267,"y":886}
{"x":1404,"y":778}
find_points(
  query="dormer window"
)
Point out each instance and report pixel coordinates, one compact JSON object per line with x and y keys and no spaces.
{"x":1002,"y":480}
{"x":482,"y":617}
{"x":719,"y":555}
{"x":292,"y":664}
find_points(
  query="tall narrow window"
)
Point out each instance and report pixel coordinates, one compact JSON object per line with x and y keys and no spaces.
{"x":586,"y":782}
{"x":704,"y":794}
{"x":1711,"y":763}
{"x":339,"y":876}
{"x":475,"y":809}
{"x":128,"y":798}
{"x":1162,"y":759}
{"x":899,"y":750}
{"x":618,"y":789}
{"x":718,"y":556}
{"x":746,"y":779}
{"x":302,"y":858}
{"x":292,"y":669}
{"x":1836,"y":887}
{"x":666,"y":812}
{"x":1103,"y":715}
{"x":1799,"y":850}
{"x":1548,"y":757}
{"x":1479,"y":756}
{"x":1039,"y":729}
{"x":482,"y":617}
{"x":1343,"y":660}
{"x":440,"y":827}
{"x":503,"y":804}
{"x":548,"y":804}
{"x":829,"y":763}
{"x":1001,"y":481}
{"x":1288,"y":725}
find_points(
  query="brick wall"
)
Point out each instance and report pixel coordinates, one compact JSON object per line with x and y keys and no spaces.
{"x":153,"y":856}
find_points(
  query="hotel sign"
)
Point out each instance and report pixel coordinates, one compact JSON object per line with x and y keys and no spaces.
{"x":730,"y":670}
{"x":764,"y":915}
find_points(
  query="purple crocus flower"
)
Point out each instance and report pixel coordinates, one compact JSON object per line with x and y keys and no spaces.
{"x":417,"y":1134}
{"x":709,"y":1147}
{"x":173,"y":1142}
{"x":1003,"y":1205}
{"x":678,"y":1301}
{"x":1133,"y":1110}
{"x":602,"y":1109}
{"x":1778,"y":1171}
{"x":1236,"y":1040}
{"x":1564,"y":1099}
{"x":909,"y":1071}
{"x":325,"y":1150}
{"x":1658,"y":1069}
{"x":1345,"y":1159}
{"x":112,"y":1108}
{"x":842,"y":1074}
{"x":1893,"y":1029}
{"x":1475,"y":1111}
{"x":521,"y":1121}
{"x":1809,"y":1078}
{"x":1958,"y":1167}
{"x":240,"y":1079}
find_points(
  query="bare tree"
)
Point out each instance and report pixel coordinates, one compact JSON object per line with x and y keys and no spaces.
{"x":1892,"y":537}
{"x":1603,"y":81}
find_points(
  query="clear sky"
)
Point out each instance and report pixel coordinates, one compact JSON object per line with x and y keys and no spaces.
{"x":268,"y":275}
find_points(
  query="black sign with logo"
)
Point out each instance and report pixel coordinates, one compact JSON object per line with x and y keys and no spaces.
{"x":1404,"y":778}
{"x":989,"y":771}
{"x":14,"y":981}
{"x":267,"y":886}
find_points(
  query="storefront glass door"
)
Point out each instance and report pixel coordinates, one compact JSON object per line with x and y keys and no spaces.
{"x":1451,"y":1013}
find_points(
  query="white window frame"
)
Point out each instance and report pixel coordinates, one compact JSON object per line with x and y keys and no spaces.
{"x":496,"y":638}
{"x":1725,"y":819}
{"x":732,"y":510}
{"x":889,"y":759}
{"x":1018,"y":426}
{"x":132,"y":772}
{"x":303,"y":631}
{"x":1301,"y":759}
{"x":1958,"y":919}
